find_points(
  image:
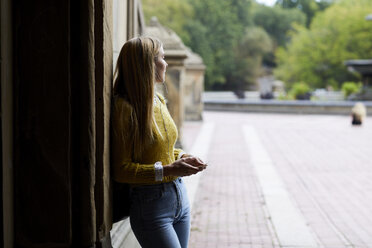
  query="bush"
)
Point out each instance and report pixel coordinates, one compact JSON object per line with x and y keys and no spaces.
{"x":300,"y":91}
{"x":349,"y":88}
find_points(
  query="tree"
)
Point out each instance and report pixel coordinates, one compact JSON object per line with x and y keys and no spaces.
{"x":248,"y":58}
{"x":200,"y":44}
{"x":171,"y":13}
{"x":316,"y":55}
{"x":218,"y":25}
{"x":277,"y":21}
{"x":216,"y":29}
{"x":308,"y":7}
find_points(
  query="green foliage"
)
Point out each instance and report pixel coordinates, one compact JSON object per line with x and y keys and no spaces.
{"x":349,"y":88}
{"x":212,"y":28}
{"x":299,"y":90}
{"x":174,"y":14}
{"x":277,"y":21}
{"x":218,"y":25}
{"x":308,"y":7}
{"x":248,"y":58}
{"x":317,"y":55}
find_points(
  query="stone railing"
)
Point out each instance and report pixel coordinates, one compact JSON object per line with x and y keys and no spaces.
{"x":291,"y":107}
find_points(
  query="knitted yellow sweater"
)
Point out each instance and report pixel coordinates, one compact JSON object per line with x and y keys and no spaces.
{"x":141,"y":171}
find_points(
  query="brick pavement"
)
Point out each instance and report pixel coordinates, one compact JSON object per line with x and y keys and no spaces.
{"x":324,"y":162}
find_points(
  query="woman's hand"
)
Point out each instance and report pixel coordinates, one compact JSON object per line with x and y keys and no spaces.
{"x":200,"y":164}
{"x":186,"y":166}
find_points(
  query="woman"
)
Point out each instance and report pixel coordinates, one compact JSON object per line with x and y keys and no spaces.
{"x":144,"y":156}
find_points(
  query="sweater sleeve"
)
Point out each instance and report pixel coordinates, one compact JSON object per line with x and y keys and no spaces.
{"x":124,"y":169}
{"x":178,"y":153}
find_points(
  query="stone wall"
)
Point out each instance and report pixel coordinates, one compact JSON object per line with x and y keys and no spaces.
{"x":62,"y":90}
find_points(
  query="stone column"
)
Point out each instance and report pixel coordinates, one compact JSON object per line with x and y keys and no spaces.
{"x":103,"y":51}
{"x":193,"y":87}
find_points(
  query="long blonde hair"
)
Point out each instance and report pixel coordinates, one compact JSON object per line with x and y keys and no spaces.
{"x":134,"y":80}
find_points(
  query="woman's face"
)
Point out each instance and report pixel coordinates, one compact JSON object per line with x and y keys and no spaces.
{"x":161,"y":66}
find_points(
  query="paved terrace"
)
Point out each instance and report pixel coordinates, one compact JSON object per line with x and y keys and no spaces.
{"x":281,"y":181}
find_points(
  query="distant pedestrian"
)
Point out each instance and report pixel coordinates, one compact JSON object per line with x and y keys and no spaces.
{"x":143,"y":152}
{"x":358,"y":113}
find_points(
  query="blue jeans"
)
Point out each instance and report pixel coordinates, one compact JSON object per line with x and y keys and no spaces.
{"x":160,"y":215}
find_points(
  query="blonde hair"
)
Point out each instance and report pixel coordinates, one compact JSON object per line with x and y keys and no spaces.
{"x":134,"y":80}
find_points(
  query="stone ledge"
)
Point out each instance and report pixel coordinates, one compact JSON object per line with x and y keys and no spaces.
{"x":284,"y":107}
{"x":122,"y":235}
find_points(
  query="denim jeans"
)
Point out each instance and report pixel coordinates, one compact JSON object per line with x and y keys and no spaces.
{"x":160,"y":215}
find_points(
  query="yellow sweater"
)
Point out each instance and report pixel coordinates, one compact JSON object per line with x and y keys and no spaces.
{"x":142,"y":171}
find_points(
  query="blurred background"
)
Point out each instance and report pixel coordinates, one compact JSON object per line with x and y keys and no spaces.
{"x":287,"y":49}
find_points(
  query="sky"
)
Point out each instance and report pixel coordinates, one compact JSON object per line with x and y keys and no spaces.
{"x":267,"y":2}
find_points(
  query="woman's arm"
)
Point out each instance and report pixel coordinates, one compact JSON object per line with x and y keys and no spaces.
{"x":124,"y":169}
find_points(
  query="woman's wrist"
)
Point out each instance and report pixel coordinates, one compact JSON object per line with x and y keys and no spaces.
{"x":185,"y":155}
{"x":167,"y":170}
{"x":180,"y":155}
